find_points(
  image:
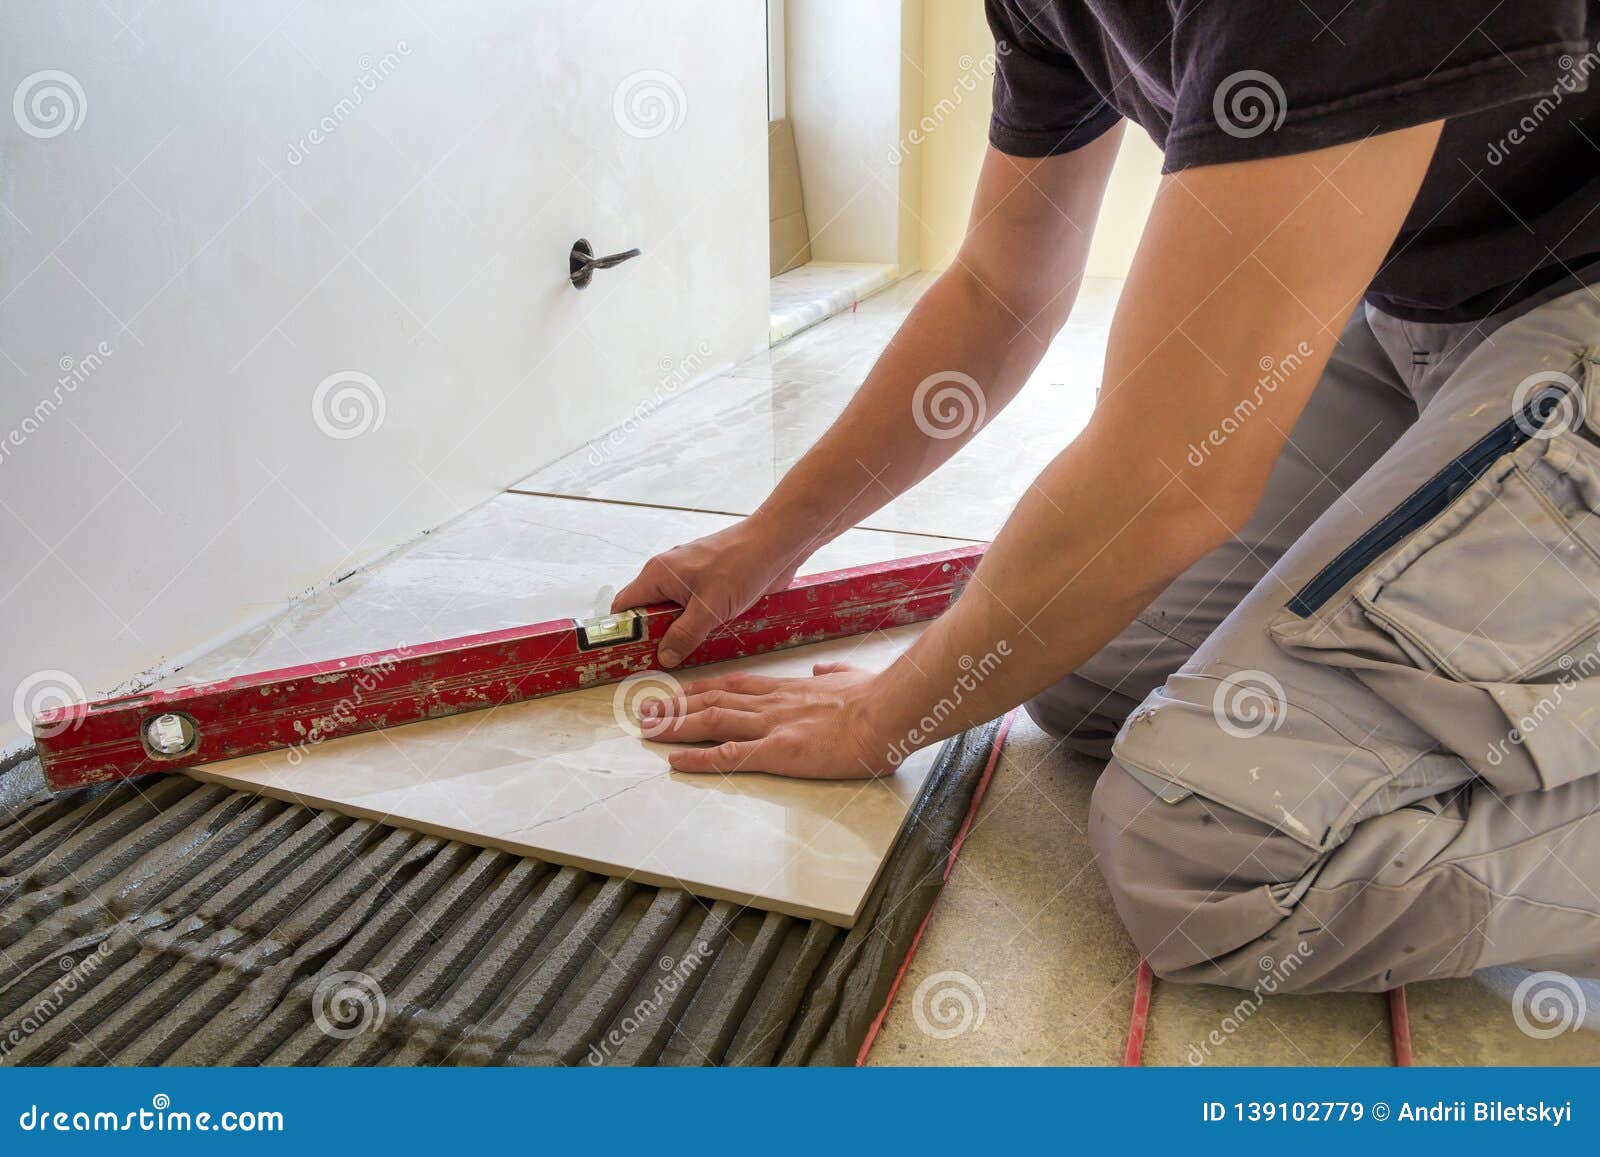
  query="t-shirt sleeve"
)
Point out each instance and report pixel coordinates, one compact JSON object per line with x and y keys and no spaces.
{"x":1261,"y":78}
{"x":1043,"y":105}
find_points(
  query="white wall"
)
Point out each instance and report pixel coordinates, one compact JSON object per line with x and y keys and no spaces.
{"x":204,"y":263}
{"x":846,"y":82}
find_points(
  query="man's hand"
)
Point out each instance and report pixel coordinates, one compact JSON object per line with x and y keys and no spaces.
{"x":713,"y":578}
{"x":816,"y":728}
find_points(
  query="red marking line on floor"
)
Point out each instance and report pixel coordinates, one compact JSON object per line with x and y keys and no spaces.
{"x":1400,"y":1027}
{"x":950,"y":863}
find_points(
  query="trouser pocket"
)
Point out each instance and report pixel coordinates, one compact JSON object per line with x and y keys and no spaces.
{"x":1474,"y":607}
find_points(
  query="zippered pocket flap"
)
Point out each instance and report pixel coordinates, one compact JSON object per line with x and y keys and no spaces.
{"x":1489,"y":611}
{"x":1496,"y":589}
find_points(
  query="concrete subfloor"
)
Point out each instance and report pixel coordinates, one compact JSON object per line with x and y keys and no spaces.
{"x":1025,"y":931}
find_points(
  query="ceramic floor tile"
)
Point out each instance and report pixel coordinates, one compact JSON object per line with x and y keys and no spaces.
{"x":564,"y":780}
{"x":561,"y":778}
{"x":723,"y":445}
{"x":819,"y":289}
{"x":515,"y":560}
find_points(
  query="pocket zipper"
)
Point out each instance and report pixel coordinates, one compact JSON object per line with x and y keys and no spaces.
{"x":1426,"y":502}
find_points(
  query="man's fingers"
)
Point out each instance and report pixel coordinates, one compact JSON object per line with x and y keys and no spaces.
{"x":711,"y":723}
{"x":832,"y":668}
{"x":687,"y":632}
{"x":739,"y":684}
{"x":642,"y":591}
{"x":725,"y":757}
{"x":692,"y":701}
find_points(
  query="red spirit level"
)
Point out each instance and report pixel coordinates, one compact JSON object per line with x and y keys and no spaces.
{"x":162,"y":730}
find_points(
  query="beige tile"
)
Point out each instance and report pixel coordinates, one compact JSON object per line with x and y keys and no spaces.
{"x":724,"y":444}
{"x":515,"y":560}
{"x":561,"y":778}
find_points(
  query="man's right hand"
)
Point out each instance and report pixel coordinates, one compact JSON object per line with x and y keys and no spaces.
{"x":713,"y":578}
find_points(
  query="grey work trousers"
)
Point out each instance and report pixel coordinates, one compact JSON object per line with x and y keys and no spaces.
{"x":1359,"y":745}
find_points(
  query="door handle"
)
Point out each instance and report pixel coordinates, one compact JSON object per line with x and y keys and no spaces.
{"x":582,"y":263}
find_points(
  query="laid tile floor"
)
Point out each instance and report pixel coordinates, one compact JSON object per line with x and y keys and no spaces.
{"x":722,"y":445}
{"x":562,"y":778}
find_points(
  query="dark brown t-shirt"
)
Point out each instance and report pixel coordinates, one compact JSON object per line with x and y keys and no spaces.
{"x":1511,"y":202}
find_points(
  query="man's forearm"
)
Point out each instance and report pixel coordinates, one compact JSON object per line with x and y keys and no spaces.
{"x":974,"y":354}
{"x":1246,"y":259}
